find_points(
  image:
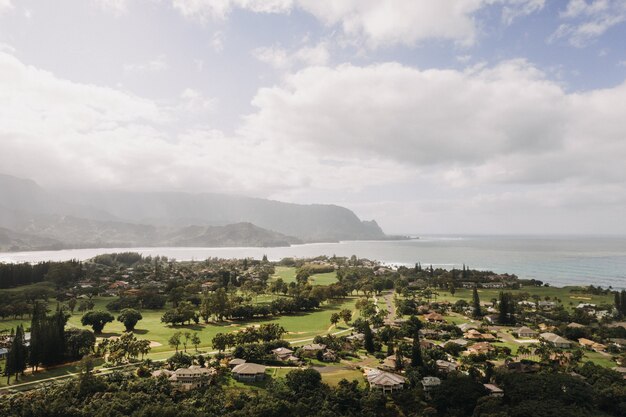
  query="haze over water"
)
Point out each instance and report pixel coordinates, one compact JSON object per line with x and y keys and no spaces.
{"x":559,"y":260}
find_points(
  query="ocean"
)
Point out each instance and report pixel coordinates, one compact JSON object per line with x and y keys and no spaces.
{"x":558,"y":260}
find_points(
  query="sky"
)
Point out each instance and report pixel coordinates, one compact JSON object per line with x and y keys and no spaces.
{"x":447,"y":116}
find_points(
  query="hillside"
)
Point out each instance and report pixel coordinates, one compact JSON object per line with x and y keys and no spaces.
{"x":36,"y":218}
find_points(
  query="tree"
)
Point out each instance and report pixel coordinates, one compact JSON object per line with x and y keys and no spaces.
{"x":335,"y":318}
{"x":477,"y":313}
{"x":71,"y":303}
{"x":195,"y":340}
{"x":346,"y":315}
{"x":17,"y":355}
{"x":97,"y":320}
{"x":174,"y":340}
{"x":129,"y":317}
{"x":185,"y":340}
{"x":368,"y":339}
{"x":506,"y":308}
{"x":79,"y":342}
{"x":413,"y":325}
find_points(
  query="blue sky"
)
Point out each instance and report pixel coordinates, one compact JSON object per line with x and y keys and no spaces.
{"x":455,"y":116}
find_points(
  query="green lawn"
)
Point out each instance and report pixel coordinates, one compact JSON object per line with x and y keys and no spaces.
{"x":564,"y":294}
{"x":286,"y":273}
{"x":298,"y":326}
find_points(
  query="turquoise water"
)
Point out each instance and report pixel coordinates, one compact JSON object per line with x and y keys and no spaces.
{"x":559,"y":260}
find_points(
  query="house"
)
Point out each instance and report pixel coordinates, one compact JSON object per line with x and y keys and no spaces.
{"x":556,"y":340}
{"x":526,"y":332}
{"x":385,"y":381}
{"x":312,"y":349}
{"x":429,"y":383}
{"x":466,"y":327}
{"x":476,"y":335}
{"x":621,"y":370}
{"x":356,"y":336}
{"x":234,"y":362}
{"x":249,"y":372}
{"x":620,"y":343}
{"x":192,"y":377}
{"x":389,"y":364}
{"x":119,"y":285}
{"x":282,"y":353}
{"x":434,"y":318}
{"x":523,"y":367}
{"x":445,"y":366}
{"x":573,"y":325}
{"x":481,"y":348}
{"x":494,"y":390}
{"x":546,"y":305}
{"x":460,"y":342}
{"x":328,"y":356}
{"x":586,"y":306}
{"x":492,"y":318}
{"x":3,"y":353}
{"x":590,"y":344}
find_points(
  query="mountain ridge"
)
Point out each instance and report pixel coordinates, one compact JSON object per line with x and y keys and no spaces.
{"x":37,"y":217}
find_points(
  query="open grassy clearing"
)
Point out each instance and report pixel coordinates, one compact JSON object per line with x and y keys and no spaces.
{"x":298,"y":326}
{"x":568,"y":298}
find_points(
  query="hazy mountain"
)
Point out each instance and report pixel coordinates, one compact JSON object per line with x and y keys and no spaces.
{"x":126,"y":219}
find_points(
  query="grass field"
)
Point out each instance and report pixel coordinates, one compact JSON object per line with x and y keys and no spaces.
{"x":288,"y":274}
{"x":298,"y":326}
{"x":568,"y":299}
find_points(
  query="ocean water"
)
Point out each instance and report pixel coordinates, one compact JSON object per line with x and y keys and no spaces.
{"x":559,"y":260}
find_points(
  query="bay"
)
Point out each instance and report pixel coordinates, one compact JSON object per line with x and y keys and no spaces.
{"x":559,"y":260}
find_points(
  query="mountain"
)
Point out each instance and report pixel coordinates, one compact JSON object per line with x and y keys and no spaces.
{"x":33,"y":217}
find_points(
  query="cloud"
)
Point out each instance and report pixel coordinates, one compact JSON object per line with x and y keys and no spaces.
{"x":219,"y":9}
{"x":586,"y":21}
{"x":59,"y":132}
{"x":116,"y":6}
{"x":519,"y":8}
{"x":217,"y":41}
{"x":157,"y":64}
{"x":280,"y":58}
{"x":376,"y":23}
{"x":498,"y":125}
{"x":5,"y":6}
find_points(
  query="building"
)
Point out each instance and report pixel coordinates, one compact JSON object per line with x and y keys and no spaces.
{"x":282,"y":353}
{"x":234,"y":362}
{"x":526,"y":332}
{"x":546,"y":305}
{"x":312,"y":349}
{"x":445,"y":366}
{"x":192,"y":377}
{"x":465,"y":327}
{"x":460,"y":342}
{"x":3,"y":353}
{"x":429,"y":383}
{"x":590,"y":344}
{"x":249,"y":372}
{"x":385,"y":381}
{"x":434,"y":318}
{"x":481,"y":348}
{"x":494,"y":390}
{"x":556,"y":340}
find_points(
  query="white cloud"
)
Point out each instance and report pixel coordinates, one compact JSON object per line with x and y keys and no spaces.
{"x":279,"y":58}
{"x":376,"y":22}
{"x":519,"y":8}
{"x":5,"y":6}
{"x":219,"y":9}
{"x":217,"y":41}
{"x":586,"y":21}
{"x":506,"y":124}
{"x":116,"y":6}
{"x":58,"y":132}
{"x":155,"y":65}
